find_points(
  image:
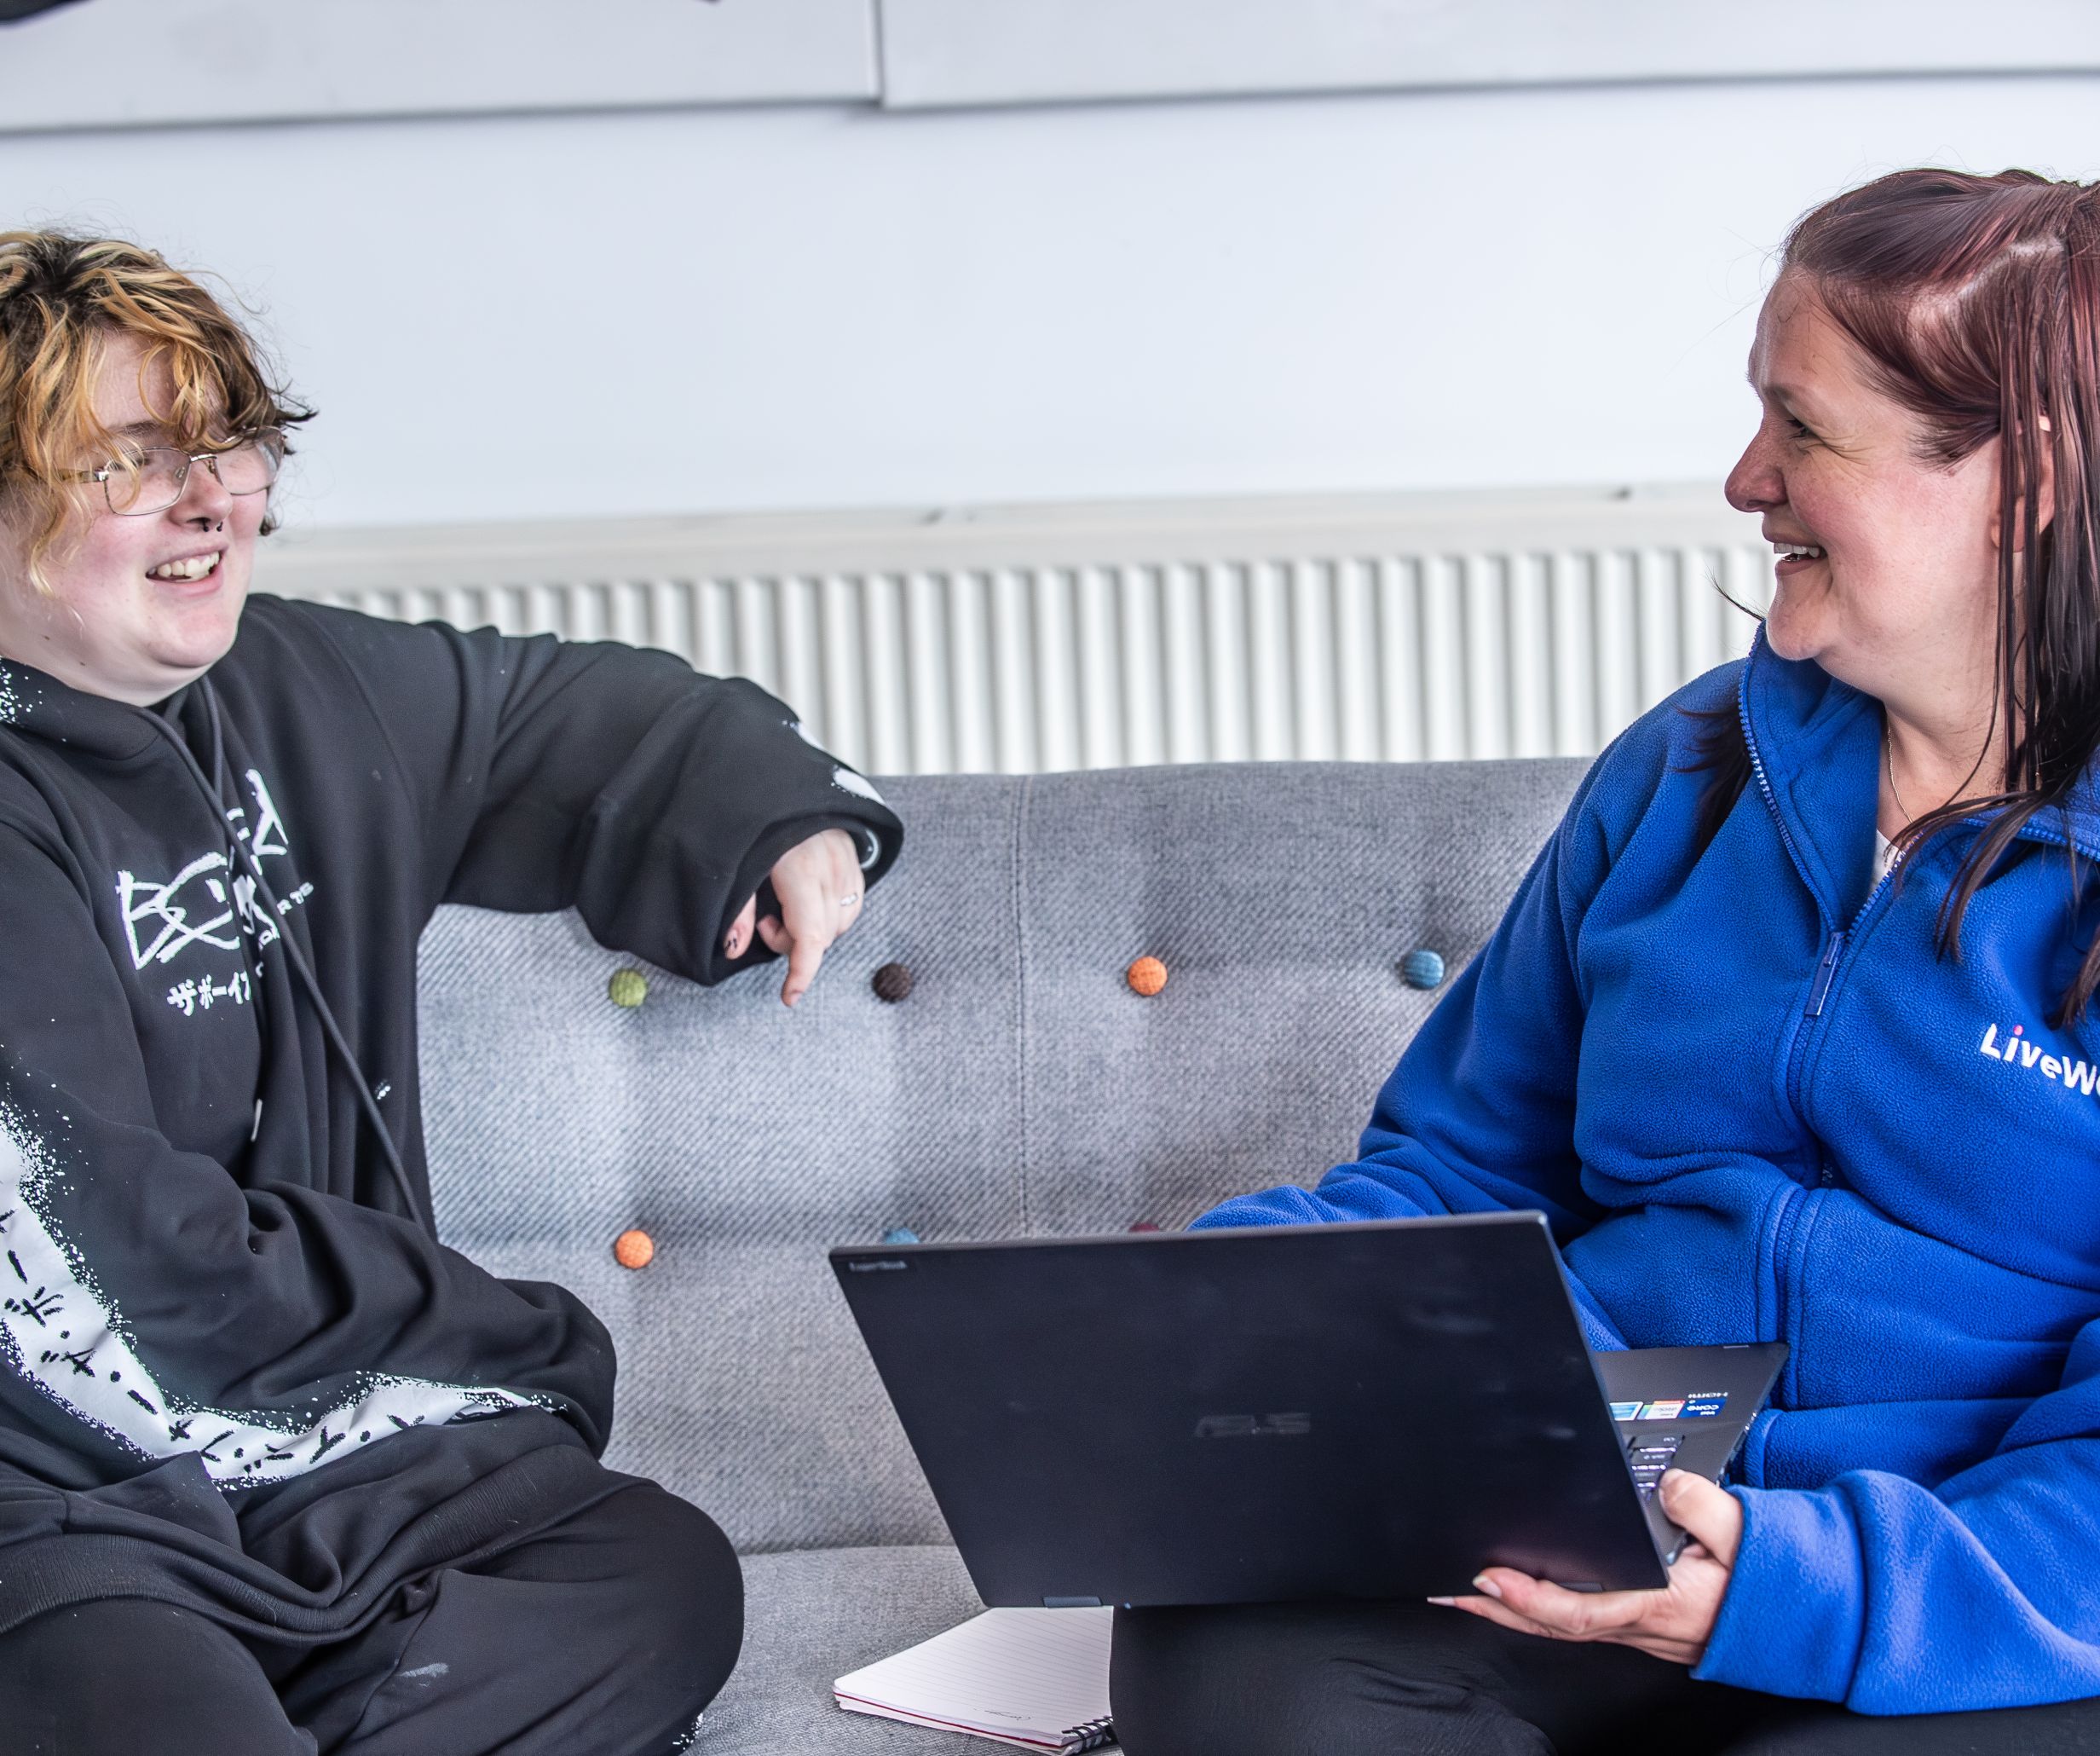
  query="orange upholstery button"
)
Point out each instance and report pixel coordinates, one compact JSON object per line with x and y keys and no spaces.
{"x":634,"y":1250}
{"x":1147,"y":976}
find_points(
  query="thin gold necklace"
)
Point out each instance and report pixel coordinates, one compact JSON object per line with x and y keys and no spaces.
{"x":1888,"y":760}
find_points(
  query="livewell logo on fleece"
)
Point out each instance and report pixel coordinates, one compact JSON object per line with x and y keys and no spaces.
{"x":2016,"y":1049}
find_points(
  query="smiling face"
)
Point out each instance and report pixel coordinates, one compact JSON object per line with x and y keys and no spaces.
{"x":134,"y":607}
{"x":1888,"y":576}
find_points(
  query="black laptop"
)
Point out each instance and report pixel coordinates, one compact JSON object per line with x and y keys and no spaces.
{"x":1370,"y":1410}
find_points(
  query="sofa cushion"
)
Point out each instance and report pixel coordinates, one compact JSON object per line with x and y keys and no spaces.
{"x":753,"y":1397}
{"x":1020,"y":1087}
{"x":813,"y":1615}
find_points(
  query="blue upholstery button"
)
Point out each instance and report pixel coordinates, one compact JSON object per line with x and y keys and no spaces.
{"x":1423,"y":969}
{"x":900,"y":1234}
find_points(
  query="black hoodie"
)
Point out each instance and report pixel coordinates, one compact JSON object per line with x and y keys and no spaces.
{"x":211,"y":1289}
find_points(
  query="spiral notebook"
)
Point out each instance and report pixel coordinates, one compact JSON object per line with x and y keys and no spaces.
{"x":1036,"y":1678}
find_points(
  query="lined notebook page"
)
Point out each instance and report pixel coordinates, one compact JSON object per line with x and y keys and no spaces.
{"x":1035,"y":1678}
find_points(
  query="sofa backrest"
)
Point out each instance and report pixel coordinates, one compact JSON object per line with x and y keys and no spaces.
{"x":1022,"y":1087}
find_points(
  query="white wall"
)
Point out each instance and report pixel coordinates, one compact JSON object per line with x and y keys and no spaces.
{"x":119,"y":63}
{"x":685,"y":310}
{"x":942,"y":53}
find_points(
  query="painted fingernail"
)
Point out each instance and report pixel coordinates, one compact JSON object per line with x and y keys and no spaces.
{"x":1447,"y":1602}
{"x":1487,"y":1587}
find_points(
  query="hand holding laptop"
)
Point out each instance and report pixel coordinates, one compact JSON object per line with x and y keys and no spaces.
{"x":1673,"y":1624}
{"x":1181,"y":1418}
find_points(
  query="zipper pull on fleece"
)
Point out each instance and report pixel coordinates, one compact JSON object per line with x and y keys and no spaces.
{"x":1824,"y":972}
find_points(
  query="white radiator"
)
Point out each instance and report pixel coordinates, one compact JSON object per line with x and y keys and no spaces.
{"x":1077,"y":637}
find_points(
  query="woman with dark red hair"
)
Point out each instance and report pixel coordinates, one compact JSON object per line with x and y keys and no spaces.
{"x":1790,"y":1033}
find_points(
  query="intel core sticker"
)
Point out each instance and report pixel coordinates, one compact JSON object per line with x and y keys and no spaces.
{"x":1696,"y":1407}
{"x":1625,"y":1410}
{"x":1663,"y":1411}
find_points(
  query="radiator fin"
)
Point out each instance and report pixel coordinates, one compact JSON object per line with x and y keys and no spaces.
{"x":1522,"y":652}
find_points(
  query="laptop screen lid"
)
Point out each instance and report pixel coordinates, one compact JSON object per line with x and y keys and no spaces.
{"x":1368,"y":1410}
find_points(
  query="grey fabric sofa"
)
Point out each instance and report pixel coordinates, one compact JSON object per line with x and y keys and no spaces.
{"x":1022,"y":1087}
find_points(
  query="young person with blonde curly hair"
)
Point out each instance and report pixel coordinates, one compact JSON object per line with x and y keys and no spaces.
{"x":279,"y":1472}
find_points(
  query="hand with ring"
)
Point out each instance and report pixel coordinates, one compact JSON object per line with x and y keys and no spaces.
{"x":820,"y":886}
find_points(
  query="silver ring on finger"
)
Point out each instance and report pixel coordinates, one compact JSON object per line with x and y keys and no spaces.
{"x":848,"y":900}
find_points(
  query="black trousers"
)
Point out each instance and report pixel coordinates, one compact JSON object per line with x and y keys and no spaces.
{"x":1407,"y":1679}
{"x":606,"y":1632}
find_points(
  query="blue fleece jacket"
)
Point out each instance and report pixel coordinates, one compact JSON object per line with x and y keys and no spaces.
{"x":1756,"y":1105}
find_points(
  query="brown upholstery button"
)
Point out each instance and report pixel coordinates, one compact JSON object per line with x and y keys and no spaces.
{"x":634,"y":1250}
{"x":628,"y":988}
{"x":892,"y":983}
{"x":1147,"y":976}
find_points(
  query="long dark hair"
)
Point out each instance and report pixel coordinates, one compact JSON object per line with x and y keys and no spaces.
{"x":1976,"y":300}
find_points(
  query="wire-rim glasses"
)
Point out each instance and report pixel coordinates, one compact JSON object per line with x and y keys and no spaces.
{"x":152,"y":478}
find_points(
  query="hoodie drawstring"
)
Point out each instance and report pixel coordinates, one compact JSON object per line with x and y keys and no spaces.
{"x":214,"y":789}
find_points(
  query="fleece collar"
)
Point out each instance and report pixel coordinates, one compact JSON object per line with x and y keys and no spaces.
{"x":1816,"y":744}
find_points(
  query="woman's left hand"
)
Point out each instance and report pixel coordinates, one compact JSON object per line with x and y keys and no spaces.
{"x":1674,"y":1623}
{"x":820,"y":887}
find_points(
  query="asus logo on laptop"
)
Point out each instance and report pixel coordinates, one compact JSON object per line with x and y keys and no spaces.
{"x":1253,"y":1426}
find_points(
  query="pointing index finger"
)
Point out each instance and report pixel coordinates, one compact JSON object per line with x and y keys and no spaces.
{"x":809,"y":926}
